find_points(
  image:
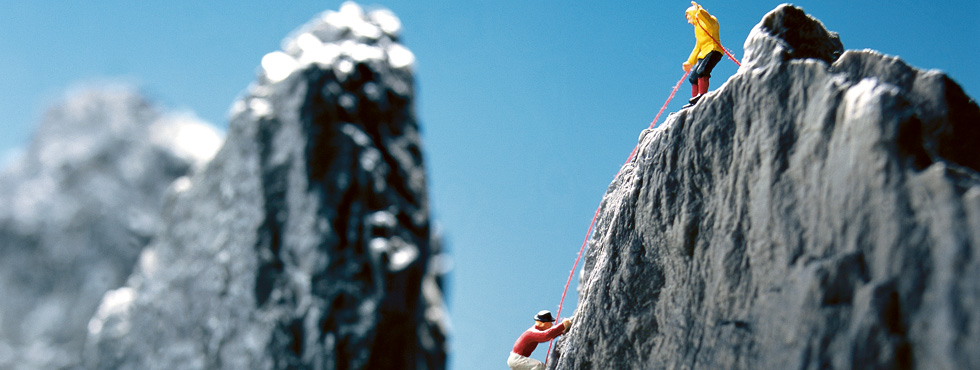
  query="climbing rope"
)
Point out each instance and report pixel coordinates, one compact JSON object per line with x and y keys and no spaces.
{"x":672,"y":92}
{"x":596,"y":215}
{"x":628,"y":160}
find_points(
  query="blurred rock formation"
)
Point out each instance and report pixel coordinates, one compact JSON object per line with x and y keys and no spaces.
{"x":76,"y":209}
{"x":306,"y":242}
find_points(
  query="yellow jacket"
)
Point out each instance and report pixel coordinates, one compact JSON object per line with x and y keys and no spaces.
{"x":704,"y":44}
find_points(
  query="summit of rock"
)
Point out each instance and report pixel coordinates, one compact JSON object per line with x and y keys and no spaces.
{"x":819,"y":210}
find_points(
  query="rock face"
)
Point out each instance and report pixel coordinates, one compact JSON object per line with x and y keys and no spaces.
{"x":75,"y":211}
{"x":306,"y":242}
{"x":817,"y":211}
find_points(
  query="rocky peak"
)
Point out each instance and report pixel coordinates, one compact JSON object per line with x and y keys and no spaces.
{"x":815,"y":211}
{"x":787,"y":32}
{"x":306,"y":242}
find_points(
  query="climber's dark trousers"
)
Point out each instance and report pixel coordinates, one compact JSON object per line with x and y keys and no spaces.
{"x":701,"y":72}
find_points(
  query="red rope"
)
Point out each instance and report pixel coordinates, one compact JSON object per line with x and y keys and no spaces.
{"x":672,"y":92}
{"x":596,"y":215}
{"x":628,"y":160}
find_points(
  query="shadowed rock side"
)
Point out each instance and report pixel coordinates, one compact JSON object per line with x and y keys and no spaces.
{"x":306,"y":242}
{"x":814,"y":212}
{"x":77,"y":208}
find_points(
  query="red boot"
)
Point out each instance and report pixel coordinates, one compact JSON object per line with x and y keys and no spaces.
{"x":702,"y":85}
{"x":697,"y":91}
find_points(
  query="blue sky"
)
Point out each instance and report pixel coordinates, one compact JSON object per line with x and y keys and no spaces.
{"x":528,"y":107}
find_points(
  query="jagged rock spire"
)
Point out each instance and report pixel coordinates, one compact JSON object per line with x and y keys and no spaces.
{"x":306,"y":242}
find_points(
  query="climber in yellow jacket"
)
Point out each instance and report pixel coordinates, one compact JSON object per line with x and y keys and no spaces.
{"x":707,"y":52}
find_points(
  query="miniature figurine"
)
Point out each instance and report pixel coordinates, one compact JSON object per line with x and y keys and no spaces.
{"x":542,"y":331}
{"x":707,"y":52}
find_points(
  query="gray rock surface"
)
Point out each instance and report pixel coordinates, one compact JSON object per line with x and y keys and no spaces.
{"x":306,"y":242}
{"x":76,"y":209}
{"x":814,"y":212}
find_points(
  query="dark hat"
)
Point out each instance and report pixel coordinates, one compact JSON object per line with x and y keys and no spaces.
{"x":544,"y":316}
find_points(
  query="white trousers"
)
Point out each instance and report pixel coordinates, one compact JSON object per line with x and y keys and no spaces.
{"x":518,"y":362}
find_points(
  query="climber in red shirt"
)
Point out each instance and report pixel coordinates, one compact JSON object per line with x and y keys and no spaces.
{"x":542,"y":331}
